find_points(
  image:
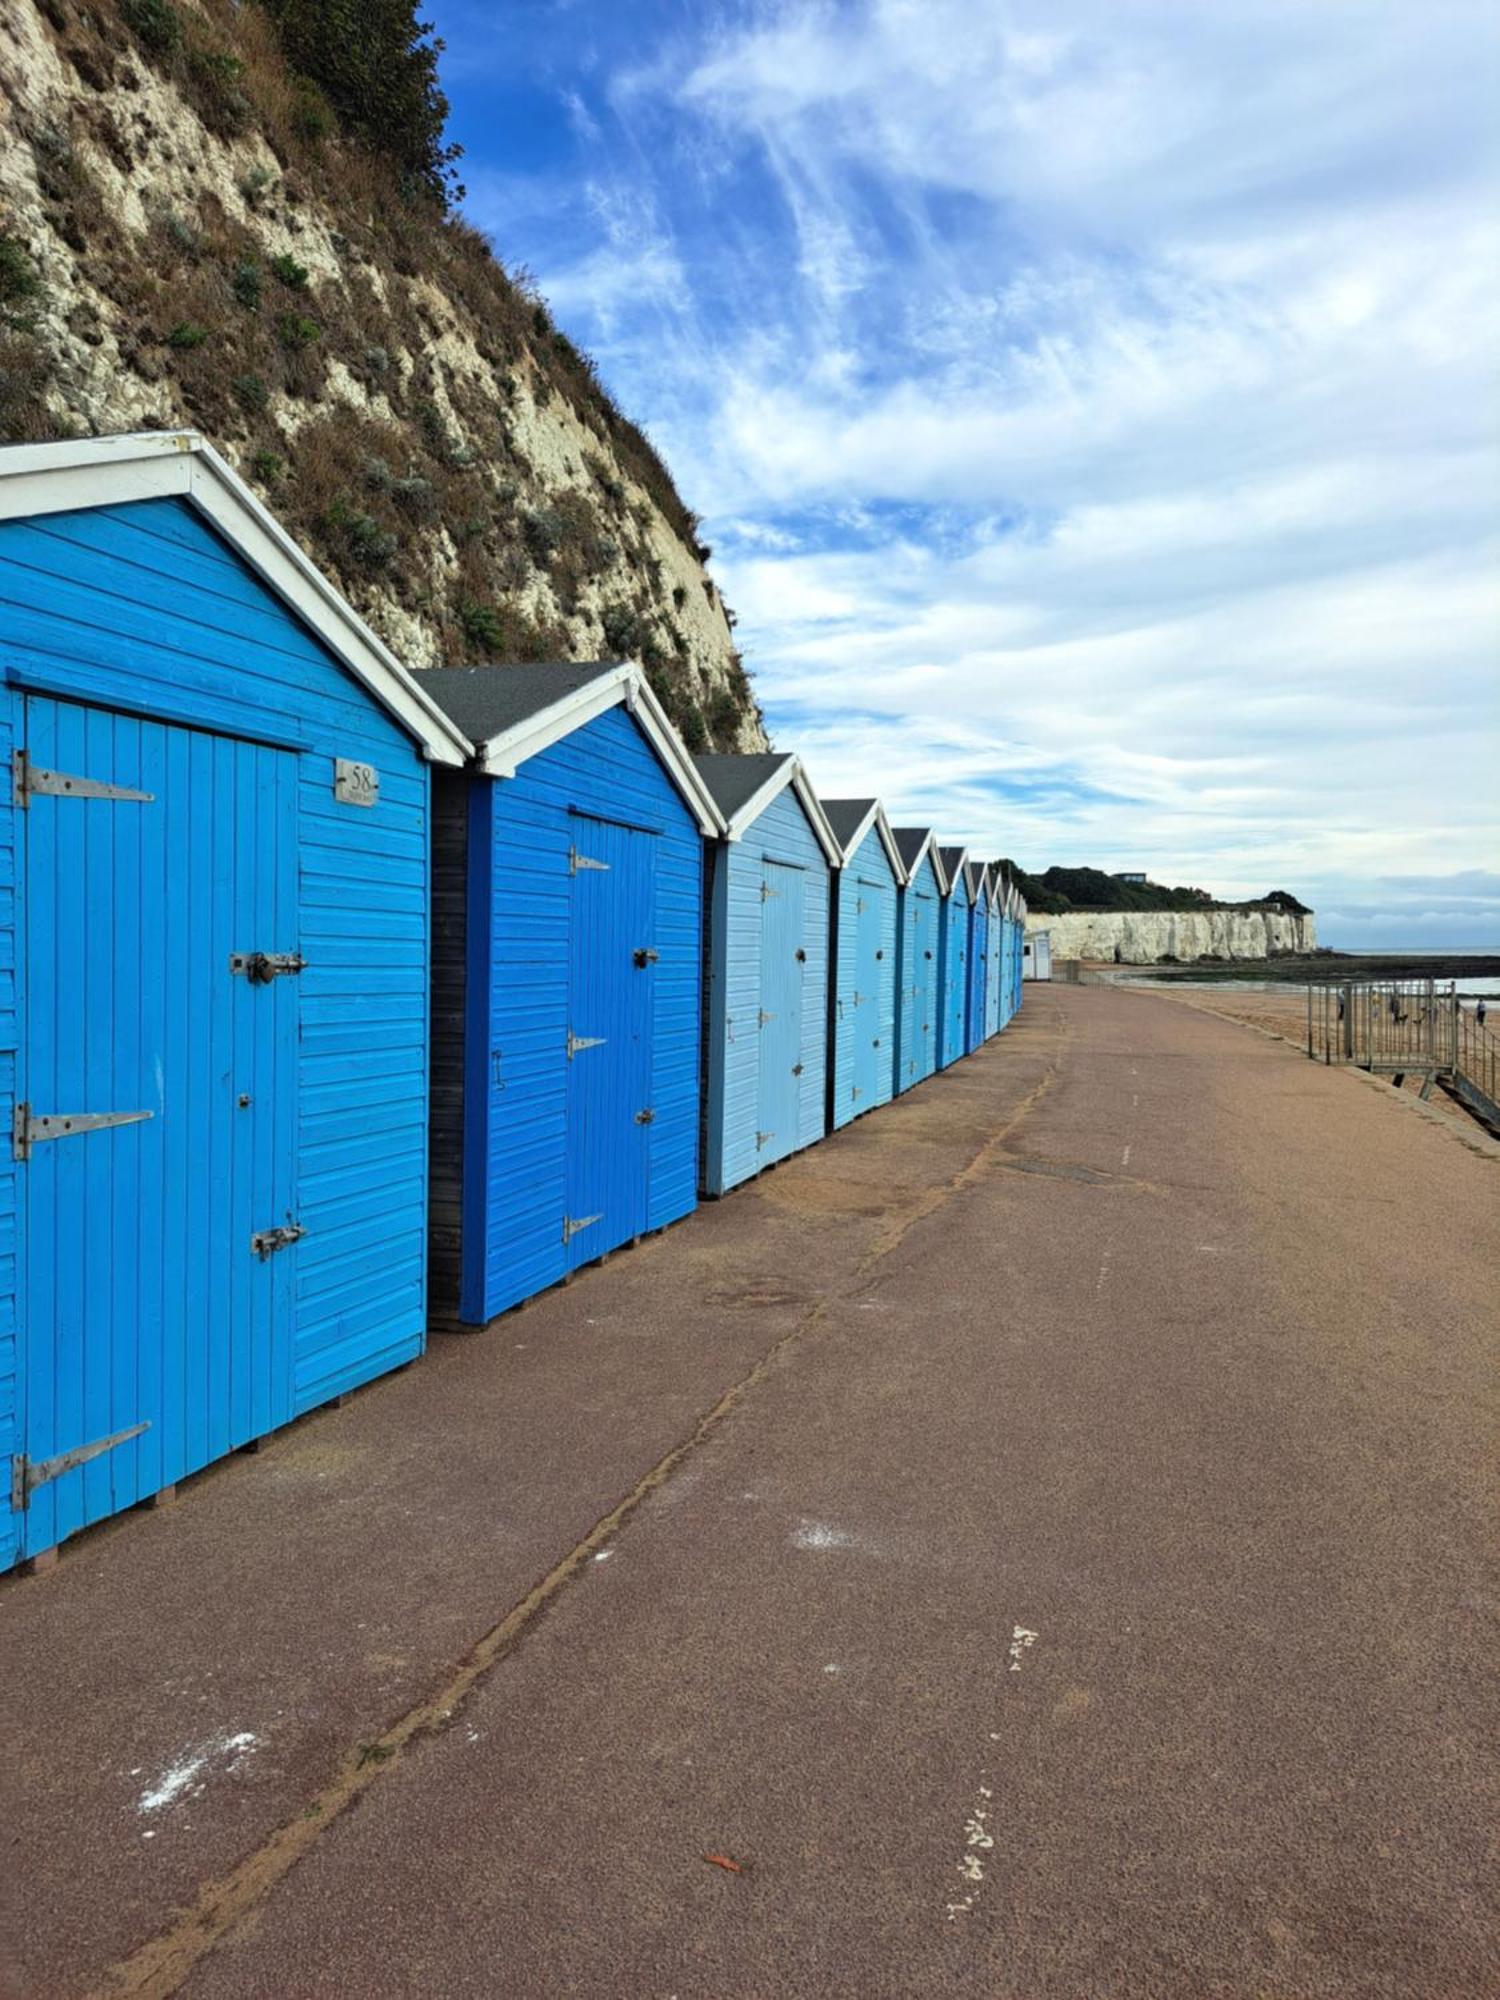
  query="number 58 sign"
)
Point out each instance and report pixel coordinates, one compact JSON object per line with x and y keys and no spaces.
{"x":355,"y":784}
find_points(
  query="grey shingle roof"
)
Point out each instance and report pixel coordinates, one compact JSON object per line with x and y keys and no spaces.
{"x":951,"y":858}
{"x":734,"y":780}
{"x":486,"y":701}
{"x":976,"y":877}
{"x":846,"y":816}
{"x":909,"y":839}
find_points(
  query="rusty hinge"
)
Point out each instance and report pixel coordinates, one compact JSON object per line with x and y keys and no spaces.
{"x":266,"y":1242}
{"x":763,"y":1017}
{"x":29,"y":1129}
{"x":645,"y":956}
{"x":261,"y":967}
{"x":28,"y":779}
{"x":572,"y":1224}
{"x":767,"y":892}
{"x":646,"y":1117}
{"x":796,"y":1069}
{"x":27,"y":1474}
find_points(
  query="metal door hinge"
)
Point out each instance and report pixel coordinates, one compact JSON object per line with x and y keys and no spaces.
{"x":29,"y":1129}
{"x":767,"y":892}
{"x":646,"y":1117}
{"x":578,"y":862}
{"x":27,"y":1474}
{"x":266,"y":1242}
{"x":577,"y":1042}
{"x":763,"y":1139}
{"x":763,"y":1017}
{"x":645,"y":956}
{"x":261,"y":967}
{"x":796,"y":1069}
{"x":572,"y":1224}
{"x":28,"y":779}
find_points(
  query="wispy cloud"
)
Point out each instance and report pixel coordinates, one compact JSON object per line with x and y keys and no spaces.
{"x":1090,"y":405}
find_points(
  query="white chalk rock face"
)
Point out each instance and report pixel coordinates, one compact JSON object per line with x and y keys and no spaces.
{"x":1148,"y":937}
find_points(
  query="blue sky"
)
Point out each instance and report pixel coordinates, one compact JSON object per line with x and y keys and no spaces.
{"x":1091,"y":404}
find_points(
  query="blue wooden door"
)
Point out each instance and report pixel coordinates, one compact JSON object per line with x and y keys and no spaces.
{"x":782,"y":963}
{"x":611,"y":978}
{"x":921,"y":976}
{"x":158,"y":1122}
{"x":870,"y":917}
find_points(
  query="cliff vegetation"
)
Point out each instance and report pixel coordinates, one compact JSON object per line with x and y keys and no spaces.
{"x":1058,"y":890}
{"x":242,"y":217}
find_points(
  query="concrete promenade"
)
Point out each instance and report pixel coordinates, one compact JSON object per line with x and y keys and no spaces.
{"x":1041,"y":1542}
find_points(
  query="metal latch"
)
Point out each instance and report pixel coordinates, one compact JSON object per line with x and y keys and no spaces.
{"x":577,"y":862}
{"x":646,"y":1117}
{"x":27,"y":779}
{"x":573,"y":1224}
{"x":266,"y":1242}
{"x":28,"y":1130}
{"x":577,"y":1042}
{"x":646,"y":957}
{"x":26,"y":1474}
{"x":261,"y":967}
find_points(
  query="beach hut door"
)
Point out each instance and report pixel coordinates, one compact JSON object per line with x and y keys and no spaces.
{"x":612,"y":979}
{"x":156,"y":1119}
{"x":782,"y":959}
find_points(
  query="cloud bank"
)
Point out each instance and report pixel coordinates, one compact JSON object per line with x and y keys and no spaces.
{"x":1091,"y":405}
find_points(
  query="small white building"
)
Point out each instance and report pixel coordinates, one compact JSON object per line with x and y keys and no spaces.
{"x":1036,"y":955}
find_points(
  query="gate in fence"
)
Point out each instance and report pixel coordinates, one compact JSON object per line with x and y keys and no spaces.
{"x":1408,"y":1027}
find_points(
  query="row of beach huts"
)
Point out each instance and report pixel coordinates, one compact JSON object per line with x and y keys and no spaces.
{"x":339,"y":1000}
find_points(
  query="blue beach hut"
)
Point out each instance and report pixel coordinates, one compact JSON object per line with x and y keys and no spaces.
{"x":979,"y":951}
{"x":568,"y":885}
{"x":994,"y":987}
{"x":767,"y":962}
{"x":953,"y":960}
{"x":213,"y":1046}
{"x":862,"y":988}
{"x":920,"y":952}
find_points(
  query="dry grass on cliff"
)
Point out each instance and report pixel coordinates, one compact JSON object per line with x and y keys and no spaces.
{"x":405,"y":476}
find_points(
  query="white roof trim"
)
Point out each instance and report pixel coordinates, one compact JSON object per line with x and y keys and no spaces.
{"x":930,"y":846}
{"x":148,"y":465}
{"x":793,"y":772}
{"x":502,"y":755}
{"x":876,"y":817}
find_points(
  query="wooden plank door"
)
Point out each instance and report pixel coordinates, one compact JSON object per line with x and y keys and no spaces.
{"x":611,"y":982}
{"x":158,"y":1123}
{"x":782,"y":965}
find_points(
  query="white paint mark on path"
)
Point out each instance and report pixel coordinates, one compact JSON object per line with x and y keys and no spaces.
{"x":1125,"y":1157}
{"x":181,"y":1780}
{"x":819,"y":1535}
{"x":979,"y":1842}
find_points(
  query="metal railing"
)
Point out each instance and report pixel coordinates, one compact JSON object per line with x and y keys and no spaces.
{"x":1402,"y":1027}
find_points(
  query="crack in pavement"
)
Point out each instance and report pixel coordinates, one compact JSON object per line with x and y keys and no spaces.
{"x":158,"y":1967}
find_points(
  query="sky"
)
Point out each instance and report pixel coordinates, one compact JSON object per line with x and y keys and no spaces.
{"x":1091,"y":404}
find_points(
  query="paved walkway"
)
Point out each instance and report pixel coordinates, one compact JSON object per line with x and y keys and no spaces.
{"x":1040,"y":1542}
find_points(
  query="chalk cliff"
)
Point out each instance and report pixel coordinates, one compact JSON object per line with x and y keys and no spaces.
{"x":1146,"y":937}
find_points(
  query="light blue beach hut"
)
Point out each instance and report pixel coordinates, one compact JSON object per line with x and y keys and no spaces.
{"x":979,"y":951}
{"x":767,"y":962}
{"x":862,"y":989}
{"x":994,"y":988}
{"x":953,"y":960}
{"x":920,"y":948}
{"x":213,"y":1046}
{"x":568,"y":881}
